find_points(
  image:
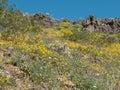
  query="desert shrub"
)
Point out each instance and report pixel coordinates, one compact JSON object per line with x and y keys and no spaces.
{"x":85,"y":83}
{"x":107,"y":38}
{"x":40,"y":71}
{"x":118,"y":36}
{"x":58,"y":27}
{"x":14,"y":20}
{"x":111,"y":39}
{"x":79,"y":35}
{"x":4,"y":6}
{"x":4,"y":81}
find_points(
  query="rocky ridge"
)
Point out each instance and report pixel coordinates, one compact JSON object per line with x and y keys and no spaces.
{"x":91,"y":23}
{"x":101,"y":25}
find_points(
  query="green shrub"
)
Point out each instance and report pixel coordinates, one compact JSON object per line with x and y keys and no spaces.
{"x":40,"y":72}
{"x":107,"y":38}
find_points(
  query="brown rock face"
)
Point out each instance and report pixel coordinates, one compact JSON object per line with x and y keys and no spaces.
{"x":101,"y":25}
{"x":45,"y":20}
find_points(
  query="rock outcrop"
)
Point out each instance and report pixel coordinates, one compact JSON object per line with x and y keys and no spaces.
{"x":101,"y":25}
{"x":45,"y":20}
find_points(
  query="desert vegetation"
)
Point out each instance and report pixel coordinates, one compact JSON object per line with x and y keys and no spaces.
{"x":63,"y":56}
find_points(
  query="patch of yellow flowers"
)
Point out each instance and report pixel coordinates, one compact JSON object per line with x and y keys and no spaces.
{"x":28,"y":44}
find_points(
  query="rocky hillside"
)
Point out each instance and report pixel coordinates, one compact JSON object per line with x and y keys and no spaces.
{"x":38,"y":52}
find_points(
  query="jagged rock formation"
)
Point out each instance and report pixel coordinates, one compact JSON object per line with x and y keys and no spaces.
{"x":45,"y":20}
{"x":101,"y":25}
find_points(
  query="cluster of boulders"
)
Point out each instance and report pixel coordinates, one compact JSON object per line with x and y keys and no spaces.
{"x":45,"y":19}
{"x":101,"y":25}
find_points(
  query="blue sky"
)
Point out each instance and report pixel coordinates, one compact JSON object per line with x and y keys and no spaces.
{"x":71,"y":9}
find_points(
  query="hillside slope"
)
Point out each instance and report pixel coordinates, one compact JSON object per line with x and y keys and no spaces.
{"x":61,"y":56}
